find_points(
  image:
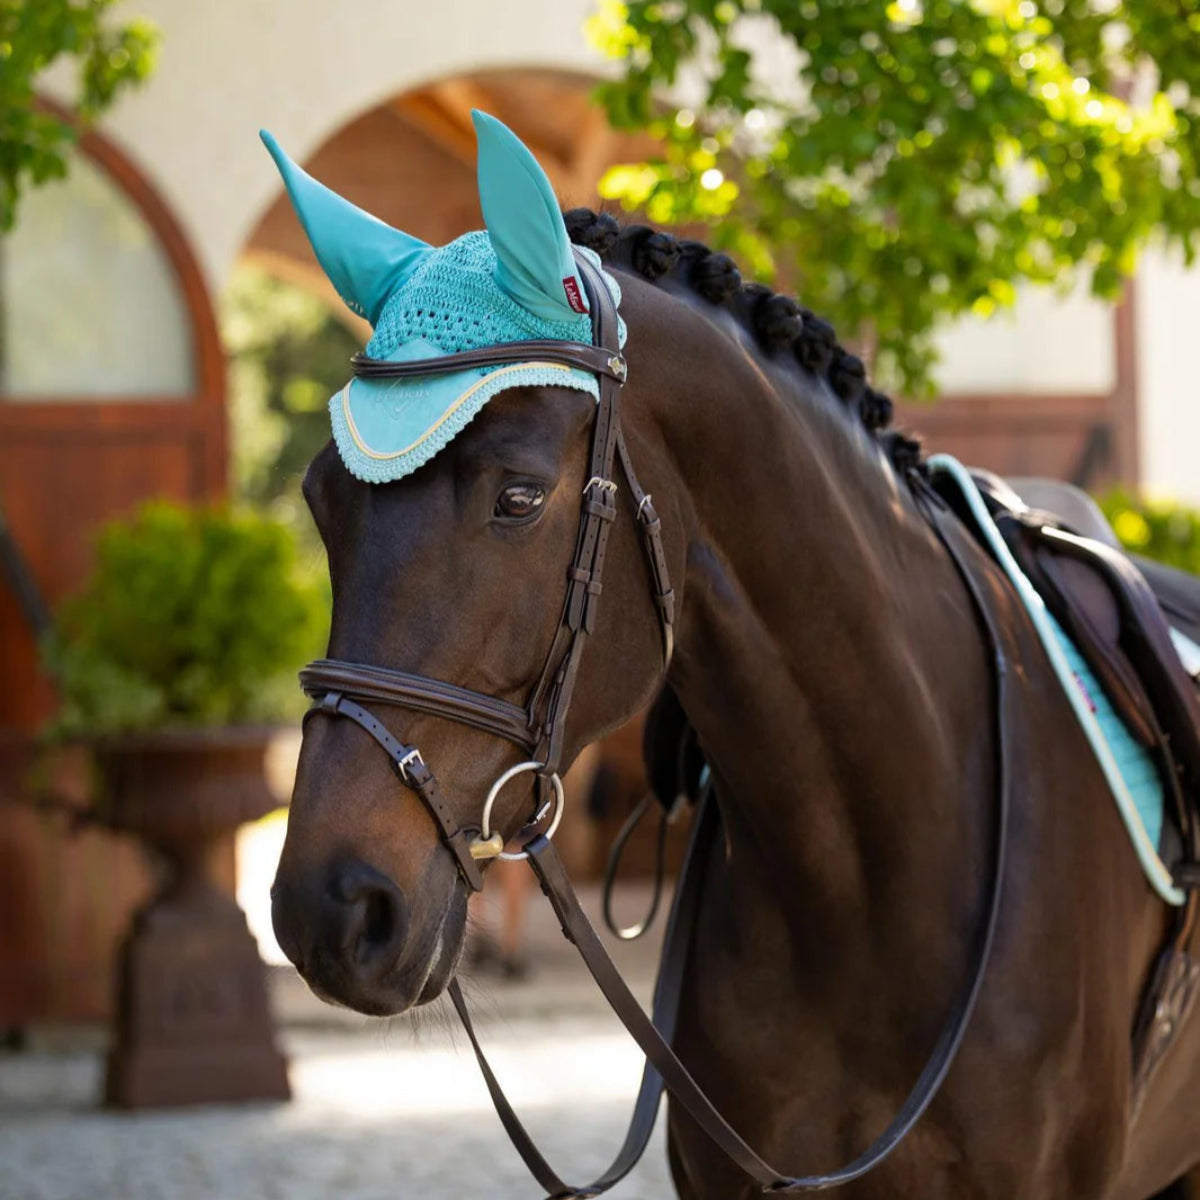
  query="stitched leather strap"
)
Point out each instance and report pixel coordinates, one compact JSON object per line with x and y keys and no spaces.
{"x":656,"y":558}
{"x":414,"y":774}
{"x":667,"y":992}
{"x":385,"y":686}
{"x":552,"y":697}
{"x":654,"y":1038}
{"x":600,"y":359}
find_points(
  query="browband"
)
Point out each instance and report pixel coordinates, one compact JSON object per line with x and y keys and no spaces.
{"x":599,"y":360}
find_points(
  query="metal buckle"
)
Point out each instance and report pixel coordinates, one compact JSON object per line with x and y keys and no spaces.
{"x":605,"y":485}
{"x":414,"y":755}
{"x":618,"y":366}
{"x":484,"y":845}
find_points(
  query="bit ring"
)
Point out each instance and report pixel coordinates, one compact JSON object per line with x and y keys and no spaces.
{"x":512,"y":772}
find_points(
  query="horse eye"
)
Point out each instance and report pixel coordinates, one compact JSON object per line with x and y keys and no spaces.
{"x":520,"y":501}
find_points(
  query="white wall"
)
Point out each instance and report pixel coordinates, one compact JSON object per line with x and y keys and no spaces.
{"x":306,"y":67}
{"x":1044,"y":343}
{"x":1168,"y":321}
{"x":302,"y":69}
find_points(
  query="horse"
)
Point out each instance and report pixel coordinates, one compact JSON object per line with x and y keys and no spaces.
{"x":829,"y":657}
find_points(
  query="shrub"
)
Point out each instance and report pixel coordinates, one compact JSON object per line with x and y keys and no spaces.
{"x":191,"y":617}
{"x":1169,"y":533}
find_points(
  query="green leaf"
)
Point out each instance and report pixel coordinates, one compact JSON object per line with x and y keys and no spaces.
{"x":108,"y":57}
{"x":982,"y":145}
{"x":190,"y":617}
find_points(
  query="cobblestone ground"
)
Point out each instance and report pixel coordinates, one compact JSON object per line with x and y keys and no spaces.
{"x":380,"y":1111}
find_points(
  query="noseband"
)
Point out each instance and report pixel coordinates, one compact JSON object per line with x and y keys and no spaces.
{"x":341,"y":688}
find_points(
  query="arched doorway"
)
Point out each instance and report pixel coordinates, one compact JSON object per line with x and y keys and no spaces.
{"x":112,"y":390}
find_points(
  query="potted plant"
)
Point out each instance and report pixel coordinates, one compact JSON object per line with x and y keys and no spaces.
{"x":176,"y":664}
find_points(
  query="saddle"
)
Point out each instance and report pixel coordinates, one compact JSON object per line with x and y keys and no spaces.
{"x":1116,"y":612}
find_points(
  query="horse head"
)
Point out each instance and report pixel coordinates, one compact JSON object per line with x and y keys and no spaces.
{"x":450,"y":508}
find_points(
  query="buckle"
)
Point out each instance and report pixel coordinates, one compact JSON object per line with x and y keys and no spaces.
{"x":404,"y":766}
{"x":604,"y":485}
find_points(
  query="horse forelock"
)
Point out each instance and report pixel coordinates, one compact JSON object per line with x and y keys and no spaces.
{"x":780,"y":327}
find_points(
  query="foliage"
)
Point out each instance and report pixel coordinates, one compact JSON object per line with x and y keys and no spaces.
{"x":289,"y":354}
{"x":191,"y":617}
{"x":907,"y":161}
{"x":1169,"y":533}
{"x":33,"y":33}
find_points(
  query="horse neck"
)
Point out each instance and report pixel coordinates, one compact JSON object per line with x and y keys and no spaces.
{"x":830,"y":662}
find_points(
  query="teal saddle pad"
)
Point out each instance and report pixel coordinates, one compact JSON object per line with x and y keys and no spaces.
{"x":1132,"y":775}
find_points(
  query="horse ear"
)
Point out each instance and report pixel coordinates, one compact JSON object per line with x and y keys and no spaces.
{"x":365,"y":259}
{"x":534,"y":263}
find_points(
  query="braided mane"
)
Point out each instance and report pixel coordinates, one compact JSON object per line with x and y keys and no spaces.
{"x":777,"y":322}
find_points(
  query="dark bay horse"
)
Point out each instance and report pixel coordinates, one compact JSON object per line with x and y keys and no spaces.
{"x":828,"y":656}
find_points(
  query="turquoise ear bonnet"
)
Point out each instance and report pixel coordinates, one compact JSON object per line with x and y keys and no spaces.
{"x":517,"y":280}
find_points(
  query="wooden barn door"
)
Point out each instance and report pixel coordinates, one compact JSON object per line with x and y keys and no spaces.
{"x":111,"y":392}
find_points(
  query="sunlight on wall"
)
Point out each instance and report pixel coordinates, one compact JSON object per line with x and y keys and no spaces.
{"x":259,"y":846}
{"x":1045,"y":343}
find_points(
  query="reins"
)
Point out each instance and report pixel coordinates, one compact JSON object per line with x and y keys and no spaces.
{"x":538,"y":728}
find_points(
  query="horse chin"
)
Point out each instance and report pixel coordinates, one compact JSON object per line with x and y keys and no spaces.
{"x":447,"y":953}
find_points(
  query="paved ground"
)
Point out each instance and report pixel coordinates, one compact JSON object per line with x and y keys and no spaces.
{"x":382,"y":1111}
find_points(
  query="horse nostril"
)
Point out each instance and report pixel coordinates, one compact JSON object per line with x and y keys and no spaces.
{"x":373,"y":915}
{"x":379,"y":918}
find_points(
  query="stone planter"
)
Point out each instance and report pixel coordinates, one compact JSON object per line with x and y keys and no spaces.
{"x":193,"y":1024}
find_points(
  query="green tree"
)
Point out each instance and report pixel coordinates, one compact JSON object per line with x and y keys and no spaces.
{"x":33,"y":34}
{"x":288,"y":354}
{"x":906,"y":161}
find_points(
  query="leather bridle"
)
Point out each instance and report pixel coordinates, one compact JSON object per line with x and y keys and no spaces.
{"x":538,"y":728}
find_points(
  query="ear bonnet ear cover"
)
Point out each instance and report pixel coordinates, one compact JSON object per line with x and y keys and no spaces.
{"x":516,"y":281}
{"x":366,"y":260}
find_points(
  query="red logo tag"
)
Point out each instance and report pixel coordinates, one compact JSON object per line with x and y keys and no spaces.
{"x":574,"y":296}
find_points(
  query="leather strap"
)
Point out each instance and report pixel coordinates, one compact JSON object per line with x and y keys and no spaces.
{"x":386,"y":686}
{"x":667,"y":992}
{"x":653,"y":1036}
{"x":413,"y":773}
{"x":656,"y":558}
{"x":602,"y":359}
{"x":552,"y":696}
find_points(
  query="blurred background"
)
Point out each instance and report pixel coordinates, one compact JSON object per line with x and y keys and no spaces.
{"x":995,"y":203}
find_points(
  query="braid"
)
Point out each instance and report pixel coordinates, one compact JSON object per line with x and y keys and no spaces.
{"x":593,"y":230}
{"x":651,"y":253}
{"x":848,"y":377}
{"x":816,"y":344}
{"x":716,"y":278}
{"x":777,"y":322}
